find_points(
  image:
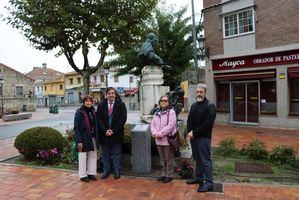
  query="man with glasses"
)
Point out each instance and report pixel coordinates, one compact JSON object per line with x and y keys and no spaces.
{"x":199,"y":130}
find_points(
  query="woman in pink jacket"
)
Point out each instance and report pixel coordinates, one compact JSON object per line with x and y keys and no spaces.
{"x":163,"y":124}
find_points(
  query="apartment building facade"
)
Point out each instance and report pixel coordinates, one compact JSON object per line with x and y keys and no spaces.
{"x":252,"y":72}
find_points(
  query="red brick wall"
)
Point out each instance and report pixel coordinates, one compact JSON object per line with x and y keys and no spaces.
{"x":207,"y":3}
{"x":277,"y":23}
{"x":212,"y":22}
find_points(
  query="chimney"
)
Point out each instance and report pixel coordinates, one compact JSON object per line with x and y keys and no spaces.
{"x":44,"y":65}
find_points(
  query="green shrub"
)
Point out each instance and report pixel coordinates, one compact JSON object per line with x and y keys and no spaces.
{"x":256,"y":149}
{"x":33,"y":140}
{"x":227,"y":147}
{"x":282,"y":154}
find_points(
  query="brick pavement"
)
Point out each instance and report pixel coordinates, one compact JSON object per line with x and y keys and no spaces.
{"x":19,"y":182}
{"x":7,"y":149}
{"x":245,"y":134}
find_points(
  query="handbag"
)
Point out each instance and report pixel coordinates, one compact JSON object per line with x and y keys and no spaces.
{"x":173,"y":140}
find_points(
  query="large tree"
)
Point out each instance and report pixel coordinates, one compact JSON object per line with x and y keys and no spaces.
{"x":174,"y":45}
{"x":72,"y":25}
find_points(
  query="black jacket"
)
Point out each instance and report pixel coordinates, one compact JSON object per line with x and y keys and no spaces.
{"x":83,"y":130}
{"x":118,"y":121}
{"x":201,"y":119}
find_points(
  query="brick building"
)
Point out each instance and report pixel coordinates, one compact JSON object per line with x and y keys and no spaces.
{"x":252,"y":72}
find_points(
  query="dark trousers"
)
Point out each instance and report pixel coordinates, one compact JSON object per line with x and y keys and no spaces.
{"x":166,"y":156}
{"x":115,"y":149}
{"x":201,"y":151}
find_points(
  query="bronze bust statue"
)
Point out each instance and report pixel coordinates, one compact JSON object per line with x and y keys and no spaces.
{"x":146,"y":54}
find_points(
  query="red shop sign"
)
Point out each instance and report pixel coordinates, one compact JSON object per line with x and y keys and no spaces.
{"x":260,"y":60}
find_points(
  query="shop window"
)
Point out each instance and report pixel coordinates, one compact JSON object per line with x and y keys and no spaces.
{"x":222,"y":93}
{"x":268,"y":97}
{"x":294,"y":95}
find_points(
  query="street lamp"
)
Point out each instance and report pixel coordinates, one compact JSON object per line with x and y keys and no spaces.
{"x":106,"y":72}
{"x":2,"y":95}
{"x":130,"y":81}
{"x":194,"y":43}
{"x":203,"y":52}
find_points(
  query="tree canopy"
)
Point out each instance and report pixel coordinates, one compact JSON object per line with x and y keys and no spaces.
{"x":72,"y":25}
{"x":174,"y":45}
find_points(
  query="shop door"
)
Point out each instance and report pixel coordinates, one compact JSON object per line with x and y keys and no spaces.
{"x":245,"y":100}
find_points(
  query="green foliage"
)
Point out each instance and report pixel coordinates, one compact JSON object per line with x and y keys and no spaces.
{"x":282,"y":154}
{"x":174,"y":45}
{"x":227,"y":147}
{"x":70,"y":26}
{"x":32,"y":140}
{"x":256,"y":149}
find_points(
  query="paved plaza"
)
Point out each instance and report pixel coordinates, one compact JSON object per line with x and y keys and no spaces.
{"x":19,"y":182}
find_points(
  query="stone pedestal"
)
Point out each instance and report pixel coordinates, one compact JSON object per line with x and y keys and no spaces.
{"x":151,"y":90}
{"x":141,"y":149}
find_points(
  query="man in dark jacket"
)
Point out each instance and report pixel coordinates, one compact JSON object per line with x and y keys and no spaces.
{"x":111,"y":116}
{"x":199,"y":128}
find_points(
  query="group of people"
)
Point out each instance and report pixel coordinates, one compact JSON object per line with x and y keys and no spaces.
{"x":105,"y":127}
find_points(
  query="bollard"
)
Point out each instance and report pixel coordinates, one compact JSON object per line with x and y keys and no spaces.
{"x":141,"y":149}
{"x":51,"y":109}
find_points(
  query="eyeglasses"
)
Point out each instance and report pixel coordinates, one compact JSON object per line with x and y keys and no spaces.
{"x":163,"y":100}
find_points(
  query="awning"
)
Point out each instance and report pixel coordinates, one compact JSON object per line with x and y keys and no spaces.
{"x":293,"y":72}
{"x":245,"y":75}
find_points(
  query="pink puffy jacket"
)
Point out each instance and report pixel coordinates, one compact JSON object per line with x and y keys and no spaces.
{"x":159,"y":126}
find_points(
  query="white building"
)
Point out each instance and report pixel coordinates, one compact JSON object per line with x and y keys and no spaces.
{"x":125,"y":84}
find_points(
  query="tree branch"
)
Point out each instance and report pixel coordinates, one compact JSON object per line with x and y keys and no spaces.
{"x":70,"y":59}
{"x":85,"y":53}
{"x":103,"y":54}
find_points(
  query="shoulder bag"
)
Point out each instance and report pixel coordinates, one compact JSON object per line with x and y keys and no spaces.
{"x":173,"y":140}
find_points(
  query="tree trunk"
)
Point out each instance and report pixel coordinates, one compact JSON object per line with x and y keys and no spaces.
{"x":86,"y":81}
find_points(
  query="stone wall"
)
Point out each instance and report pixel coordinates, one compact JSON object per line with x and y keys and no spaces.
{"x":20,"y":104}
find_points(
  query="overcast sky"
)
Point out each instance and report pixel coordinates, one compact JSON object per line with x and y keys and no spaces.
{"x":16,"y":52}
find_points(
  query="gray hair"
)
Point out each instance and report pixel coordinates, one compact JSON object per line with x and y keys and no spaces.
{"x":201,"y":85}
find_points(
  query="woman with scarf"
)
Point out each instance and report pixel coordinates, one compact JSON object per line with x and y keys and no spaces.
{"x":162,"y":125}
{"x":86,"y":136}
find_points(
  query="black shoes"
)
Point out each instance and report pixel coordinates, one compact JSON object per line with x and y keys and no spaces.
{"x":161,"y":178}
{"x":167,"y":180}
{"x":205,"y":188}
{"x":92,"y":177}
{"x":105,"y":175}
{"x":194,"y":181}
{"x":116,"y":175}
{"x":85,"y":179}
